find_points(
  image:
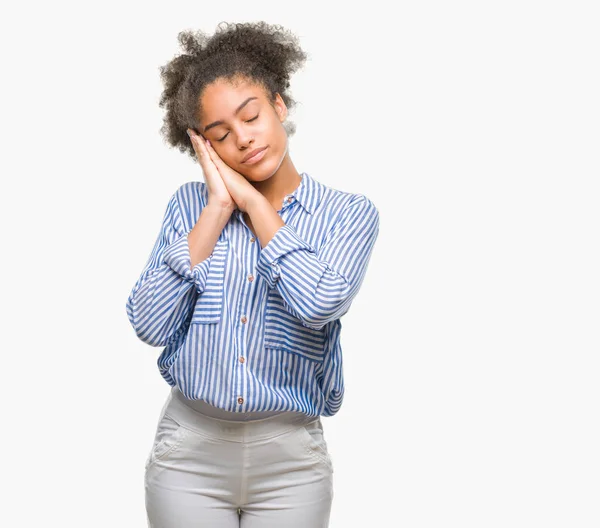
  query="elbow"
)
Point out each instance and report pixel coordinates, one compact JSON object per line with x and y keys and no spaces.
{"x":316,"y":318}
{"x":152,"y":339}
{"x":145,"y":332}
{"x":328,"y":306}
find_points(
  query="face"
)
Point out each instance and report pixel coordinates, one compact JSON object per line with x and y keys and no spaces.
{"x":238,"y":118}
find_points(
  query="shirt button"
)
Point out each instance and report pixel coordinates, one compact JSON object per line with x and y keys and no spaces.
{"x":251,"y":277}
{"x":289,"y":199}
{"x":240,"y":400}
{"x":252,"y":239}
{"x":242,"y":359}
{"x":243,"y":319}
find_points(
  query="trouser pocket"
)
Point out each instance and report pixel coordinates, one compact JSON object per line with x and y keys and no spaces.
{"x":313,"y":439}
{"x":169,"y":436}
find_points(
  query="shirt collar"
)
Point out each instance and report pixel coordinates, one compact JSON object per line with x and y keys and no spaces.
{"x":308,"y":193}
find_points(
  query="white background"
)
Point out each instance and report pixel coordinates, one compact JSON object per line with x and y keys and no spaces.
{"x":471,"y":352}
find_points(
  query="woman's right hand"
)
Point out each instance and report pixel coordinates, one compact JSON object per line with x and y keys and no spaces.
{"x":217,"y":191}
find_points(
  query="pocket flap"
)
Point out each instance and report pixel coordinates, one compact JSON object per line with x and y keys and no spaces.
{"x":285,"y":331}
{"x":209,"y":303}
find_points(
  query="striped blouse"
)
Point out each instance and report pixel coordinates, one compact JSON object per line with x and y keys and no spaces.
{"x":251,"y":329}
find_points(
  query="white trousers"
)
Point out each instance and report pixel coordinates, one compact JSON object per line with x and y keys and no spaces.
{"x":208,"y":472}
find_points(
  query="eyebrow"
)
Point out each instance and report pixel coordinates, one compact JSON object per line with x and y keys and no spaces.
{"x":237,"y":110}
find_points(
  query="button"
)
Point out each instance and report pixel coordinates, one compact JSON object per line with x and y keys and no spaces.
{"x":289,"y":199}
{"x":250,"y":277}
{"x":242,"y":359}
{"x":243,"y":319}
{"x":240,"y":400}
{"x":252,"y":239}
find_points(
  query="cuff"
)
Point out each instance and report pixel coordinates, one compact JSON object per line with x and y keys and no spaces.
{"x":177,"y":257}
{"x":285,"y":241}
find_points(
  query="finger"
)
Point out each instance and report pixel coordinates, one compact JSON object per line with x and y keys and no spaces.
{"x":207,"y":165}
{"x":194,"y":139}
{"x":199,"y":146}
{"x":210,"y":148}
{"x":213,"y":155}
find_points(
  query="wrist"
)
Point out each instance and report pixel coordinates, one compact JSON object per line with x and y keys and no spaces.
{"x":221,"y":207}
{"x":256,"y":202}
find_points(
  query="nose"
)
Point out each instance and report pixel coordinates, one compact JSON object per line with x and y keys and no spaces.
{"x":245,"y":140}
{"x":245,"y":144}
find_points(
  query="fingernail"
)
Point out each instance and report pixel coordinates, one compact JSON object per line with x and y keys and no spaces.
{"x":208,"y":142}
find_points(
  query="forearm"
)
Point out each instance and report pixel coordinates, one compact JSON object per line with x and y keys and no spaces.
{"x":318,"y":284}
{"x":265,"y":219}
{"x":312,"y":289}
{"x":204,"y":235}
{"x":159,"y":305}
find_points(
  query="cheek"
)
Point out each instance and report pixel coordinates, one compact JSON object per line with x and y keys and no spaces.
{"x":276,"y":135}
{"x":228,"y":154}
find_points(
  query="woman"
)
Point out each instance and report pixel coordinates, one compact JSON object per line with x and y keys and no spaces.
{"x":245,"y":288}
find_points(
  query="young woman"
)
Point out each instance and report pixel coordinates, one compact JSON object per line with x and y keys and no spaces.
{"x":244,"y":289}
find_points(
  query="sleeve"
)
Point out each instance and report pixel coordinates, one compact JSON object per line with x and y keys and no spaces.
{"x":165,"y":293}
{"x":319,"y":288}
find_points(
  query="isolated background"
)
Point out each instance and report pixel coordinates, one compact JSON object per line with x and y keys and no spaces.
{"x":471,"y":352}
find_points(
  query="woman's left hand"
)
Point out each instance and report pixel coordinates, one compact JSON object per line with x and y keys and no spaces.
{"x":240,"y":189}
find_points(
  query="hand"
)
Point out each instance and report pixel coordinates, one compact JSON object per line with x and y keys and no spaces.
{"x":239,"y":188}
{"x":217,"y":191}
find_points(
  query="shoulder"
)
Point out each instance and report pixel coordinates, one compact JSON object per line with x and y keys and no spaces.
{"x":190,"y":196}
{"x":347,"y":202}
{"x":361,"y":211}
{"x":190,"y":191}
{"x":189,"y":199}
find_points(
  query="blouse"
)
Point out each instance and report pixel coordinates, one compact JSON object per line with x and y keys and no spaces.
{"x":250,"y":328}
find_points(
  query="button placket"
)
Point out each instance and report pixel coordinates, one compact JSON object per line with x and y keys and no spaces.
{"x":244,"y":320}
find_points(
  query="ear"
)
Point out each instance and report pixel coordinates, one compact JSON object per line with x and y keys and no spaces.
{"x":280,"y":108}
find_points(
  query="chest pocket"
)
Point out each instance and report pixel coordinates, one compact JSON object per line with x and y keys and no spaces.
{"x":209,"y":304}
{"x":285,"y":331}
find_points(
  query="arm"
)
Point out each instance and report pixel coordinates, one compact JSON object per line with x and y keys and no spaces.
{"x":165,"y":293}
{"x":317,"y":288}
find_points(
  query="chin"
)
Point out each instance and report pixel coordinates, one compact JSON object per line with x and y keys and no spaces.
{"x":253,"y":176}
{"x":259,"y":176}
{"x":260,"y":172}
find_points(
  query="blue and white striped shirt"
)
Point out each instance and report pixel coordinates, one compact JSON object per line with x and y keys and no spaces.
{"x":251,"y":329}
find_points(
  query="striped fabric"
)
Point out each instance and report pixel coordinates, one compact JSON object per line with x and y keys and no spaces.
{"x":251,"y":329}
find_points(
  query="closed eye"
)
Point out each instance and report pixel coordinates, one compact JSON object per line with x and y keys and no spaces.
{"x":256,"y":117}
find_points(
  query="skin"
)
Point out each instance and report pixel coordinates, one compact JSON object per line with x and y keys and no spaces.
{"x":257,"y":190}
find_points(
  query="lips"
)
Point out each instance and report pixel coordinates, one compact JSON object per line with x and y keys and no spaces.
{"x":253,"y":153}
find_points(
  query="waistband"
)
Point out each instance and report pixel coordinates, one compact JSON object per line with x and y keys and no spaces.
{"x":207,"y":409}
{"x":234,"y":431}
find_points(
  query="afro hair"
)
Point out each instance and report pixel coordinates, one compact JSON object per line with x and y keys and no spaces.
{"x":261,"y":53}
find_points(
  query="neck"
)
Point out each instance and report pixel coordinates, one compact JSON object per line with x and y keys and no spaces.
{"x":284,"y":181}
